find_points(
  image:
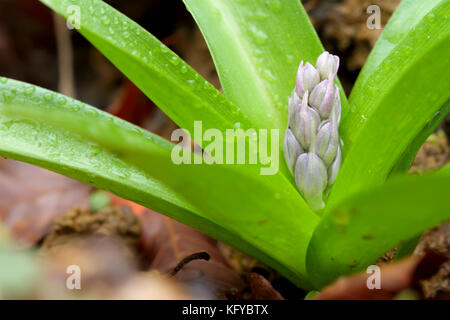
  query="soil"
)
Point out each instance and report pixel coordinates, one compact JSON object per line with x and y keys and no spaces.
{"x":81,"y":224}
{"x":437,"y":240}
{"x":433,"y":154}
{"x":342,"y":27}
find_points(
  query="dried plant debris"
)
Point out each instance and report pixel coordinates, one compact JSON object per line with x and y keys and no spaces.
{"x":396,"y":278}
{"x":342,"y":26}
{"x":436,"y":240}
{"x":79,"y":224}
{"x":166,"y":242}
{"x":261,"y":288}
{"x":433,"y":154}
{"x":32,"y":198}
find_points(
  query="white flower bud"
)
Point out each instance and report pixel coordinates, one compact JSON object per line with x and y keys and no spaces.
{"x":311,"y":179}
{"x":326,"y":64}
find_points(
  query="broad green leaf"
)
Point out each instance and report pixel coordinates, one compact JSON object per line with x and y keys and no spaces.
{"x":395,"y":96}
{"x":405,"y":162}
{"x":445,"y":170}
{"x":368,"y":224}
{"x":166,"y":79}
{"x":34,"y":140}
{"x":260,"y":215}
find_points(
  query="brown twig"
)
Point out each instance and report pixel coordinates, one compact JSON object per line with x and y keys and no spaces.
{"x":195,"y":256}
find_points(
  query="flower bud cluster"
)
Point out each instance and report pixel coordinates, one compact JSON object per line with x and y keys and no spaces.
{"x":311,"y":144}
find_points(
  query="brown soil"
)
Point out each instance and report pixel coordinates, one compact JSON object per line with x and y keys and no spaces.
{"x":437,"y":240}
{"x":80,"y":224}
{"x":433,"y":154}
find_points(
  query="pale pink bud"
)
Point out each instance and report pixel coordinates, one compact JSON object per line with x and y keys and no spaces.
{"x":327,"y":142}
{"x":333,"y":169}
{"x":311,"y":179}
{"x":322,"y":97}
{"x":326,"y":64}
{"x":304,"y":124}
{"x":307,"y":78}
{"x":292,"y":150}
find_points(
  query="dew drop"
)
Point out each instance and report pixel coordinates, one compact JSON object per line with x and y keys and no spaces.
{"x":163,"y":48}
{"x":48,"y":96}
{"x":105,"y":20}
{"x":174,"y":60}
{"x":29,"y":90}
{"x":61,"y":101}
{"x":258,"y":35}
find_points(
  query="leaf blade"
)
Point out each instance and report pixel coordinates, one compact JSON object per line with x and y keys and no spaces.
{"x":366,"y":225}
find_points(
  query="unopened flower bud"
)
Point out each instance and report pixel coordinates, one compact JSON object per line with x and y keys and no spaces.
{"x":292,"y":150}
{"x":335,"y":115}
{"x":311,"y":179}
{"x":311,"y":143}
{"x":322,"y":97}
{"x":326,"y":64}
{"x":307,"y":78}
{"x":304,"y":123}
{"x":294,"y":105}
{"x":333,"y":169}
{"x":327,"y":142}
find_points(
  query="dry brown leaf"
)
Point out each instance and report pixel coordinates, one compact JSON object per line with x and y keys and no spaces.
{"x":261,"y":288}
{"x":395,"y":278}
{"x":31,"y":198}
{"x":166,"y":242}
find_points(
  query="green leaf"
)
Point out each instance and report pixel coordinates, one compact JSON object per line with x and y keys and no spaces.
{"x":31,"y":138}
{"x":402,"y":88}
{"x":404,"y":163}
{"x":445,"y":170}
{"x":368,"y":224}
{"x":261,"y":215}
{"x":166,"y":79}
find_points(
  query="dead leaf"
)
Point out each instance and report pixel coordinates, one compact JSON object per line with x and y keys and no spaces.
{"x":261,"y":288}
{"x":31,"y":198}
{"x":165,"y":242}
{"x":395,"y":278}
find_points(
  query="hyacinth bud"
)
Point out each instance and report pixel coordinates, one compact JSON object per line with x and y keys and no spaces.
{"x":326,"y":64}
{"x":311,"y":179}
{"x":336,"y":111}
{"x":294,"y":104}
{"x":304,"y":123}
{"x":327,"y":142}
{"x":311,"y":144}
{"x":333,"y":169}
{"x":292,"y":150}
{"x":307,"y":78}
{"x":322,"y":97}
